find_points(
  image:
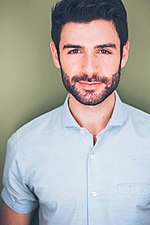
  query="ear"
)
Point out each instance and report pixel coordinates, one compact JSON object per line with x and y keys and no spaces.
{"x":125,"y":54}
{"x":55,"y":55}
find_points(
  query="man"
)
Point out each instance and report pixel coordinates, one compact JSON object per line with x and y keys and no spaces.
{"x":88,"y":161}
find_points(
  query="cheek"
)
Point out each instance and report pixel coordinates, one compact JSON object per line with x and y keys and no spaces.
{"x":70,"y":68}
{"x":111,"y":66}
{"x":102,"y":65}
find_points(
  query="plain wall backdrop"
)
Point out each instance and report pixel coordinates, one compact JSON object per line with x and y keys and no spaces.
{"x":29,"y":83}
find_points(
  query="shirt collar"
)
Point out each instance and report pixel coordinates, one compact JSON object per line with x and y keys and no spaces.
{"x":117,"y":119}
{"x":68,"y":119}
{"x":119,"y":115}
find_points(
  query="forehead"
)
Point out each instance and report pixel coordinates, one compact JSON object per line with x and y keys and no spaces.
{"x":96,"y":32}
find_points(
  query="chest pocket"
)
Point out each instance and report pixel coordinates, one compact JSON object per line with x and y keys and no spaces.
{"x":133,"y":189}
{"x":137,"y":195}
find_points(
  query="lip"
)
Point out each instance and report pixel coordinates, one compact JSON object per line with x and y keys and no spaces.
{"x":89,"y":85}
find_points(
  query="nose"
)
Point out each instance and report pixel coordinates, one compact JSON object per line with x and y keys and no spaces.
{"x":89,"y":65}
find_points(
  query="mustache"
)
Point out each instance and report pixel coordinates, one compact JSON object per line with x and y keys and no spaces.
{"x":94,"y":78}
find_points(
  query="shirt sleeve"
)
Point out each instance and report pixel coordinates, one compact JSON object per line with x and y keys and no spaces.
{"x":16,"y":193}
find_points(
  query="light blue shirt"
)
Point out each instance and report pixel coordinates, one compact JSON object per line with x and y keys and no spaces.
{"x":52,"y":161}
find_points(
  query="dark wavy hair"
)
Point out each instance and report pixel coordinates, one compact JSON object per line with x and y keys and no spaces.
{"x":84,"y":11}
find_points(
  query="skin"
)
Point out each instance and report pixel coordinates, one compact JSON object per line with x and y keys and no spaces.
{"x":9,"y":217}
{"x":90,"y":48}
{"x":87,"y":59}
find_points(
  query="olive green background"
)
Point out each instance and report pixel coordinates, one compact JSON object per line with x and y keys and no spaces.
{"x":29,"y":83}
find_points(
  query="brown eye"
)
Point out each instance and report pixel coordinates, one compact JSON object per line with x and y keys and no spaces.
{"x":74,"y":51}
{"x":104,"y":52}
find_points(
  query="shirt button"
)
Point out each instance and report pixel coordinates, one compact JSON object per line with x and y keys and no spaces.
{"x":93,"y":156}
{"x":94,"y":194}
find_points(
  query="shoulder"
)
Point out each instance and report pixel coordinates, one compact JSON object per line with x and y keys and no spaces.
{"x":137,"y":113}
{"x":138,"y":119}
{"x":40,"y":126}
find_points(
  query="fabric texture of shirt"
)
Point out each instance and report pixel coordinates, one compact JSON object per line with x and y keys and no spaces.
{"x":51,"y":161}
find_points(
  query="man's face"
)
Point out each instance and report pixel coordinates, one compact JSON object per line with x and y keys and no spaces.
{"x":90,"y":60}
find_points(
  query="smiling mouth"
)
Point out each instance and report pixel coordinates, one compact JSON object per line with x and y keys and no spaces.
{"x":89,"y":85}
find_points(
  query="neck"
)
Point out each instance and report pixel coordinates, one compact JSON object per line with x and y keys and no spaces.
{"x":93,"y":118}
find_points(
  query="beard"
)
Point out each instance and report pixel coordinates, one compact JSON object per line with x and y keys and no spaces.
{"x":90,"y":97}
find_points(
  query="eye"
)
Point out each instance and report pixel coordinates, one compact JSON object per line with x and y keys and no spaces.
{"x":74,"y":51}
{"x":105,"y":52}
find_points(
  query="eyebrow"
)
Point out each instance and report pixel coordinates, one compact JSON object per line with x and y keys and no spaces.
{"x":72,"y":46}
{"x":108,"y":45}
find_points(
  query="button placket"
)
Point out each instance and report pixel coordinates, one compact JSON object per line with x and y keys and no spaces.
{"x":93,"y":184}
{"x":94,"y":194}
{"x":93,"y":156}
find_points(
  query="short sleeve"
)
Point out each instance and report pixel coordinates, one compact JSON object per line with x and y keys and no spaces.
{"x":16,"y":193}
